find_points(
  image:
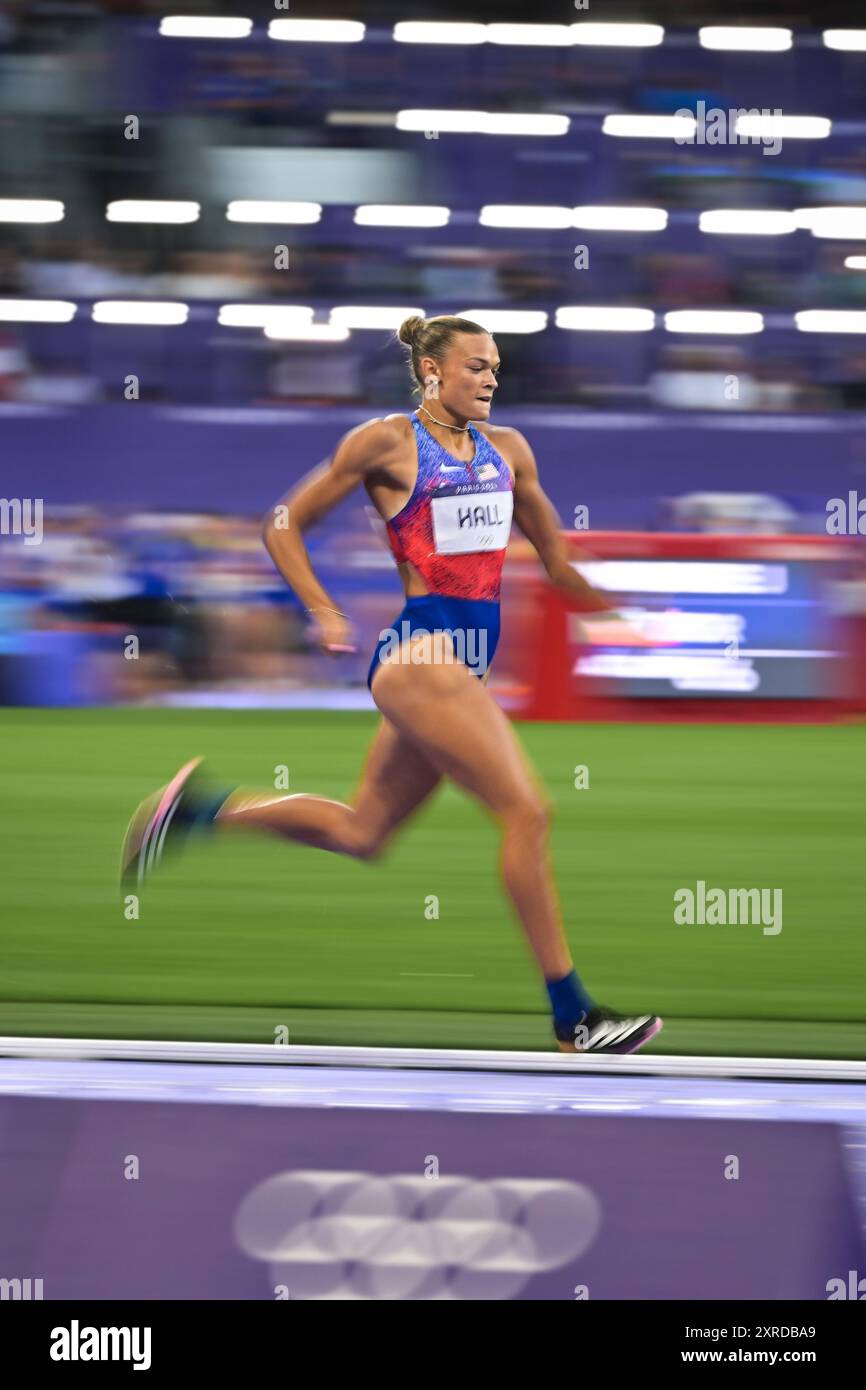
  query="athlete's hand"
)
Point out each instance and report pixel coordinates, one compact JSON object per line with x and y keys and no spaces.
{"x":332,"y":630}
{"x":612,"y":630}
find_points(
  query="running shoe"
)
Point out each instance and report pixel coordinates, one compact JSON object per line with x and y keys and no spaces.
{"x":161,"y":823}
{"x":605,"y":1031}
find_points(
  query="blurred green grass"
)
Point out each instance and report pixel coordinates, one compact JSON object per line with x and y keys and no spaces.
{"x":246,"y":934}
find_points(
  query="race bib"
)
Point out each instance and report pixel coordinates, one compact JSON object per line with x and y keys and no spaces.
{"x":475,"y":521}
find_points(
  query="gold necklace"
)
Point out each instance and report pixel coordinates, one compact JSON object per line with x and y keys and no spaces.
{"x":461,"y":429}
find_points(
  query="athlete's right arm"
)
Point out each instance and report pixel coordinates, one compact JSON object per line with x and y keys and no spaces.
{"x":357,"y":455}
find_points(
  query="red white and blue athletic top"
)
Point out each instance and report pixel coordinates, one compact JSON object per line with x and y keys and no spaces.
{"x":455,"y":526}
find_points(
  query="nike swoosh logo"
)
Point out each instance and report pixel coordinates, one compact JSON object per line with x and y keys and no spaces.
{"x":448,"y":468}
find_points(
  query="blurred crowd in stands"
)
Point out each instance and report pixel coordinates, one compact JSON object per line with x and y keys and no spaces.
{"x":217,"y":115}
{"x":120,"y":606}
{"x":116,"y":607}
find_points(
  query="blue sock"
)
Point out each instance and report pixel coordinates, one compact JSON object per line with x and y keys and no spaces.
{"x":215,"y":804}
{"x":569,"y":1000}
{"x":202,"y":813}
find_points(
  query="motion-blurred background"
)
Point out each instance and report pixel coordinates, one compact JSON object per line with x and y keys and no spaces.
{"x":208,"y":232}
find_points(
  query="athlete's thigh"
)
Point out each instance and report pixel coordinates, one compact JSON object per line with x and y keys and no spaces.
{"x":452,"y":718}
{"x":396,"y":779}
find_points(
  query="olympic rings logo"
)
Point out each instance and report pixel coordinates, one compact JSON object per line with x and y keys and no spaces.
{"x":356,"y":1235}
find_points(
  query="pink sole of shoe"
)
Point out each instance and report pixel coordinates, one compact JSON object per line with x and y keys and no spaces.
{"x":154,"y":825}
{"x":174,"y":787}
{"x":645,"y":1039}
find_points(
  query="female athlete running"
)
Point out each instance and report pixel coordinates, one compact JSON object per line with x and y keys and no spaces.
{"x":447,"y":489}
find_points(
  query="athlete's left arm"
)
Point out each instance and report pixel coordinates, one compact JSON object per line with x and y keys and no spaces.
{"x":535,"y":515}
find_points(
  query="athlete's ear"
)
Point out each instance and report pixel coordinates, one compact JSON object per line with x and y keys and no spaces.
{"x":429,"y":368}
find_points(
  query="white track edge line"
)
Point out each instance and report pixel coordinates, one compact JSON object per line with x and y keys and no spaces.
{"x":440,"y":1059}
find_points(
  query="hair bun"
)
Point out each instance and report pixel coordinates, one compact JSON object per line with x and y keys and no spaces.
{"x":410,"y":328}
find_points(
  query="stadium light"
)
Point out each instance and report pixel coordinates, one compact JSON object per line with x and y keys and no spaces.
{"x":257,"y":315}
{"x":151,"y":210}
{"x":139,"y":311}
{"x":650,"y":127}
{"x":191,"y":26}
{"x":517,"y":215}
{"x":511,"y":123}
{"x":599,"y":318}
{"x":371,"y":316}
{"x":461,"y":122}
{"x":841,"y":223}
{"x":481,"y":122}
{"x":37,"y":310}
{"x":747,"y":222}
{"x":846,"y":40}
{"x":255,"y":210}
{"x":401,"y":215}
{"x":317,"y":30}
{"x":617,"y":35}
{"x":713,"y":321}
{"x":529,"y":35}
{"x":306,"y":332}
{"x":855,"y":262}
{"x":746,"y":39}
{"x":831,"y":320}
{"x":419,"y":31}
{"x":507,"y":320}
{"x":786,"y":127}
{"x":31,"y":210}
{"x":622,"y":219}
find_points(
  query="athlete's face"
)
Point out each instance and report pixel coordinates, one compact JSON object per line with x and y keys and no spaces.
{"x":467,"y":376}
